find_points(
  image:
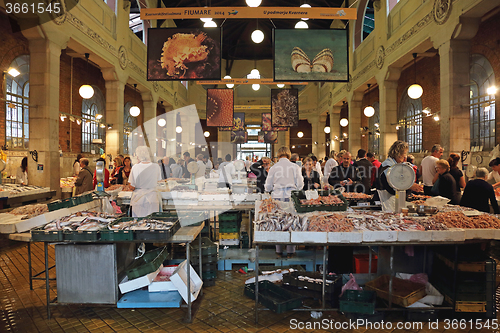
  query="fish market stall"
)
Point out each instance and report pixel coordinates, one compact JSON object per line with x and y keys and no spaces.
{"x":17,"y":194}
{"x":326,"y":220}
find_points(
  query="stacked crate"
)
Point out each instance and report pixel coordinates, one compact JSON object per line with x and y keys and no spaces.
{"x":208,"y":260}
{"x":475,"y":284}
{"x":229,"y":228}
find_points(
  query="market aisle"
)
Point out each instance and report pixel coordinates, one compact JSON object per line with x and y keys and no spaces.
{"x":223,"y":307}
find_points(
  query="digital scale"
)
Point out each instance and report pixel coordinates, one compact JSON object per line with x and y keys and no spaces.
{"x":401,"y":177}
{"x":99,"y":175}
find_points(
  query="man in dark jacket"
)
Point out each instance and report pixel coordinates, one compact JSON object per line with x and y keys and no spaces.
{"x":345,"y":174}
{"x":478,"y":193}
{"x":85,"y":178}
{"x":364,"y":172}
{"x":260,"y":169}
{"x":187,"y":160}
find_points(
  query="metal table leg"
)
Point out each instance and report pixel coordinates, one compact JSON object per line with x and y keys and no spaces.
{"x":188,"y":268}
{"x":29,"y":266}
{"x":199,"y":261}
{"x":250,"y":225}
{"x":256,"y":283}
{"x":324,"y":278}
{"x":47,"y":287}
{"x":370,"y":263}
{"x":391,"y":265}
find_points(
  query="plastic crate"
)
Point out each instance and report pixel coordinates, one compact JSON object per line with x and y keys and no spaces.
{"x":232,"y":235}
{"x":274,"y":297}
{"x":300,"y":208}
{"x":208,"y":283}
{"x":229,"y":228}
{"x":207,"y":267}
{"x":361,"y":263}
{"x":118,"y":235}
{"x":404,"y":292}
{"x":81,"y":235}
{"x":208,"y":247}
{"x":146,"y":264}
{"x":55,"y":205}
{"x":41,"y":235}
{"x":358,"y":301}
{"x":161,"y":235}
{"x":160,"y":215}
{"x":300,"y":279}
{"x":230,"y":216}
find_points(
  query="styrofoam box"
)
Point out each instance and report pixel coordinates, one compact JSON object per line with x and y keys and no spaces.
{"x":271,"y":236}
{"x":56,"y":214}
{"x":480,"y":233}
{"x":25,"y":225}
{"x":179,"y":279}
{"x":379,"y":236}
{"x":166,"y":195}
{"x":129,"y":285}
{"x":229,"y":242}
{"x":157,"y":286}
{"x":309,"y":237}
{"x":125,"y":194}
{"x":8,"y":223}
{"x":414,"y":236}
{"x":345,"y":237}
{"x":455,"y":235}
{"x":187,"y":195}
{"x":183,"y":202}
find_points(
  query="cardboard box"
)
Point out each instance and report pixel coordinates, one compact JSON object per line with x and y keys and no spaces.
{"x":159,"y":284}
{"x":179,"y":279}
{"x":128,"y":285}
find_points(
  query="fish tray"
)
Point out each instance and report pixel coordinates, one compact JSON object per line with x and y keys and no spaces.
{"x":358,"y":301}
{"x":41,"y":235}
{"x":208,"y":248}
{"x":274,"y":297}
{"x":404,"y":292}
{"x":300,"y":208}
{"x":296,"y":279}
{"x":146,"y":264}
{"x":81,"y":235}
{"x":118,"y":235}
{"x":157,"y":235}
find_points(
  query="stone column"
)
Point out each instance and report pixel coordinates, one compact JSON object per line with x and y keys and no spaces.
{"x":335,"y":128}
{"x":115,"y":89}
{"x":388,"y":95}
{"x":355,"y":106}
{"x":44,"y":116}
{"x":170,"y":135}
{"x":150,"y":102}
{"x":315,"y":125}
{"x":454,"y":79}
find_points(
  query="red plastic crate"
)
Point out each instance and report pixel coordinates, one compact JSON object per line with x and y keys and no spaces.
{"x":361,"y":262}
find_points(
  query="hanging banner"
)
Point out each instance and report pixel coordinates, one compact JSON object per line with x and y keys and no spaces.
{"x":284,"y":108}
{"x":220,"y":104}
{"x":325,"y":13}
{"x":238,"y":123}
{"x":266,"y":124}
{"x":250,"y":81}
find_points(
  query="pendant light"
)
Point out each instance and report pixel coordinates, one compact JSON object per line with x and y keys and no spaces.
{"x":415,"y":91}
{"x":327,"y":129}
{"x":229,"y":85}
{"x":300,"y":134}
{"x":257,"y":35}
{"x":344,"y":122}
{"x":86,"y":90}
{"x":134,"y":110}
{"x":369,"y":111}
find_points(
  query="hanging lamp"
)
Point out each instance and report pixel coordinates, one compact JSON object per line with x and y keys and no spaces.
{"x":134,"y":110}
{"x":86,"y":90}
{"x":369,"y":111}
{"x":415,"y":91}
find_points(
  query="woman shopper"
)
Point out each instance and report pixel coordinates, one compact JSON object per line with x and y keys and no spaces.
{"x":282,"y":179}
{"x":311,"y":176}
{"x":117,"y":164}
{"x":447,"y":187}
{"x":124,"y":174}
{"x":478,"y":194}
{"x":76,"y":165}
{"x":22,"y":172}
{"x":143,"y":178}
{"x":456,"y":172}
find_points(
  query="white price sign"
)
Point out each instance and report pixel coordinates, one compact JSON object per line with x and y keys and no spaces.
{"x":311,"y":194}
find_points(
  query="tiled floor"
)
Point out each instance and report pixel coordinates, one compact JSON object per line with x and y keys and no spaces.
{"x":223,"y":307}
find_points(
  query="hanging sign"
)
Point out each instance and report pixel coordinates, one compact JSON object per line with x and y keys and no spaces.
{"x":325,"y":13}
{"x":249,"y":81}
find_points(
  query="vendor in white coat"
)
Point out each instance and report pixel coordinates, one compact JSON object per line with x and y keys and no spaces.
{"x":283,"y":178}
{"x":144,"y":177}
{"x":226,"y":172}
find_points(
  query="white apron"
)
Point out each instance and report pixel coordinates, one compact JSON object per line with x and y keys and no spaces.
{"x":144,"y":201}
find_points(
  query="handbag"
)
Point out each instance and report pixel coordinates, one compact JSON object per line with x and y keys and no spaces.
{"x":435,"y":188}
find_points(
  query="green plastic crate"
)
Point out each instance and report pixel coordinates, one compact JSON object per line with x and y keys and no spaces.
{"x":229,"y":229}
{"x":230,"y":216}
{"x":358,"y":301}
{"x":300,"y":208}
{"x":160,"y":215}
{"x":81,"y":236}
{"x":55,"y":205}
{"x":274,"y":297}
{"x":146,"y":264}
{"x":41,"y":235}
{"x":207,"y":247}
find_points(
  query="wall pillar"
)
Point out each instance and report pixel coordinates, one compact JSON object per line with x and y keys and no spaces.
{"x":316,"y":128}
{"x":44,"y":117}
{"x":454,"y":58}
{"x":150,"y":102}
{"x":115,"y":104}
{"x":355,"y":106}
{"x":388,"y":95}
{"x":335,"y":128}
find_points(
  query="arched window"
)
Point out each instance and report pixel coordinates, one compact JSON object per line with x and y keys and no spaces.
{"x":129,"y":124}
{"x":91,"y":126}
{"x":374,"y":137}
{"x":17,"y":104}
{"x":410,"y":118}
{"x":365,"y":22}
{"x":482,"y":109}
